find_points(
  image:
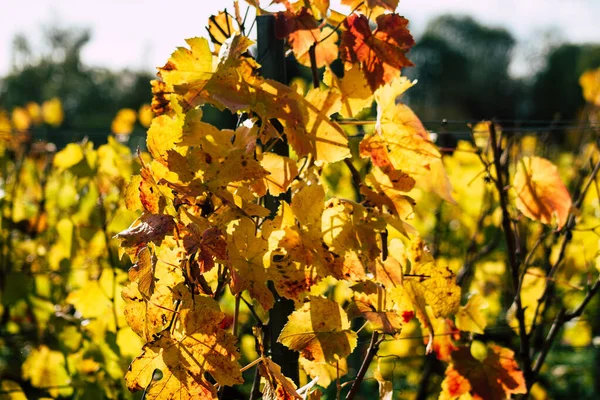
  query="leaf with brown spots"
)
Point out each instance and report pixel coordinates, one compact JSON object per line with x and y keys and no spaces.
{"x":183,"y":357}
{"x":320,"y":331}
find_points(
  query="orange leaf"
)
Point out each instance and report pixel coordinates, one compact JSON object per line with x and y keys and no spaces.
{"x":301,"y":29}
{"x":495,"y":378}
{"x":542,"y":196}
{"x":381,"y":53}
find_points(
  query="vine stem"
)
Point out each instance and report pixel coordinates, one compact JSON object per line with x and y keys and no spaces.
{"x":513,"y":256}
{"x":373,"y":349}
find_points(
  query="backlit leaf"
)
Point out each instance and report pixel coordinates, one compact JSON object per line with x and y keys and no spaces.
{"x":590,"y":85}
{"x":382,"y":52}
{"x":470,"y":317}
{"x":320,"y":331}
{"x":356,"y":94}
{"x":541,"y":194}
{"x":496,"y":377}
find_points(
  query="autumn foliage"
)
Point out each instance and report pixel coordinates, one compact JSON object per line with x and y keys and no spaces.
{"x":215,"y":227}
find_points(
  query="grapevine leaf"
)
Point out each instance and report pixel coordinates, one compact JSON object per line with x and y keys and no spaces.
{"x":326,"y":372}
{"x":46,"y":368}
{"x":143,"y":272}
{"x":11,"y":390}
{"x":408,"y":145}
{"x":384,"y":321}
{"x":301,"y":29}
{"x":382,"y":52}
{"x":324,"y":138}
{"x":386,"y":388}
{"x":277,"y":385}
{"x":430,"y":285}
{"x":183,"y":357}
{"x":446,"y":336}
{"x":148,"y":316}
{"x":123,"y":122}
{"x":470,"y":317}
{"x":350,"y":231}
{"x":149,"y":228}
{"x":220,"y":28}
{"x":282,"y":171}
{"x":246,"y":251}
{"x":541,"y":194}
{"x":355,"y":91}
{"x":169,"y":357}
{"x":189,"y":69}
{"x":590,"y":85}
{"x":495,"y":378}
{"x":326,"y":49}
{"x":320,"y":331}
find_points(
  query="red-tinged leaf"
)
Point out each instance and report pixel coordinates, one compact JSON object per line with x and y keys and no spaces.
{"x":542,"y":195}
{"x":301,"y":29}
{"x":208,"y":246}
{"x":382,"y":52}
{"x":497,"y":377}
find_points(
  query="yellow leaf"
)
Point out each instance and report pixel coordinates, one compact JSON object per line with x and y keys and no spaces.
{"x":532,"y":289}
{"x":132,"y":194}
{"x":326,"y":372}
{"x":320,"y":331}
{"x":142,"y":272}
{"x":277,"y":385}
{"x":45,"y":368}
{"x":428,"y":284}
{"x":163,"y":134}
{"x":324,"y":138}
{"x":35,"y":112}
{"x":282,"y":171}
{"x":388,"y":322}
{"x":148,"y":316}
{"x":200,"y":346}
{"x":470,"y":317}
{"x":53,"y":112}
{"x":410,"y":149}
{"x":355,"y":91}
{"x":541,"y":194}
{"x":326,"y":49}
{"x":21,"y":119}
{"x":220,"y":28}
{"x":11,"y":390}
{"x":123,"y":122}
{"x":71,"y":155}
{"x":191,"y":67}
{"x":590,"y":84}
{"x":246,"y":251}
{"x":145,"y":115}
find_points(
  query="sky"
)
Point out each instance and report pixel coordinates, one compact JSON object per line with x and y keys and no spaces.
{"x":141,"y":34}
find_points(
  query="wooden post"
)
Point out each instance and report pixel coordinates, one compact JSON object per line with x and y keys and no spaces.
{"x":271,"y":56}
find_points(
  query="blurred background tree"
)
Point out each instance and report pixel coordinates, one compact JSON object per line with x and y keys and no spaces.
{"x":90,"y":96}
